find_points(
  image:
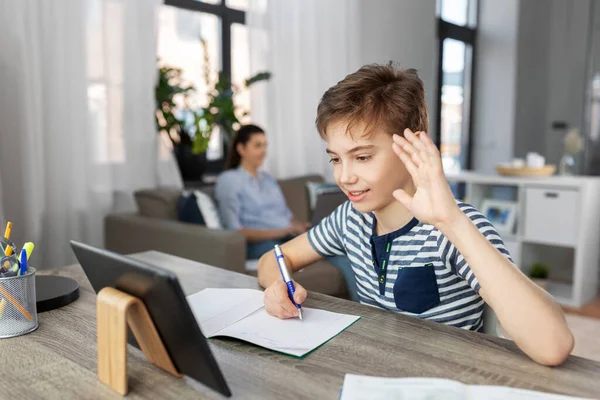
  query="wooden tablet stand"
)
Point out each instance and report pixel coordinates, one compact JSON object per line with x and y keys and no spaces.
{"x":114,"y":310}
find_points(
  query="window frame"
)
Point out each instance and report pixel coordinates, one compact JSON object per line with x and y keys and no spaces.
{"x":467,"y":35}
{"x":228,"y":16}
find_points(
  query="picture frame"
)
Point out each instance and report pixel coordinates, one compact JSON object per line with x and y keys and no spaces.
{"x":502,"y":214}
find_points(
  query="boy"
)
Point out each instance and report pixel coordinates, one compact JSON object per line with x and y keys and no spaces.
{"x":414,"y":249}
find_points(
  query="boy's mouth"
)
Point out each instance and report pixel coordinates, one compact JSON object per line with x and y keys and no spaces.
{"x":357,"y":195}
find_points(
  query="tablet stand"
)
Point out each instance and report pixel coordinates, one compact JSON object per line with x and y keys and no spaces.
{"x":114,"y":310}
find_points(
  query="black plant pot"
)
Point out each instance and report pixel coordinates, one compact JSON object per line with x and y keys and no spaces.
{"x":192,"y":166}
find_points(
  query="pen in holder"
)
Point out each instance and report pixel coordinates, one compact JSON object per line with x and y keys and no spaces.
{"x":18,"y":314}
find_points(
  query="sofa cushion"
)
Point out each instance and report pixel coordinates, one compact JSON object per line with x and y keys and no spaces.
{"x":209,"y":191}
{"x":296,"y":196}
{"x":321,"y":277}
{"x":208,"y":209}
{"x":158,"y":203}
{"x":188,"y":210}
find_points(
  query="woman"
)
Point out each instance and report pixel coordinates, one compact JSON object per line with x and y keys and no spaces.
{"x":250,"y":201}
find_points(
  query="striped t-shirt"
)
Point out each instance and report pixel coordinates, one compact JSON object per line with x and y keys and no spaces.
{"x":420,"y":273}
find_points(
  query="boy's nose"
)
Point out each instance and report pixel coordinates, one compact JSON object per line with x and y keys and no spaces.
{"x":347,"y":177}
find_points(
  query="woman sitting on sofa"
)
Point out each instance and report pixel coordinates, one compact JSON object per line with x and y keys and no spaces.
{"x":250,"y":201}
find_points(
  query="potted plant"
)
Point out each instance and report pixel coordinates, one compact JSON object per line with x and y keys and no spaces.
{"x":539,"y":274}
{"x":221,"y":109}
{"x":190,"y":127}
{"x":171,"y":121}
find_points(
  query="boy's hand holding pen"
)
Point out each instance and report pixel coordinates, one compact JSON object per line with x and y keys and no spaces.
{"x":284,"y":297}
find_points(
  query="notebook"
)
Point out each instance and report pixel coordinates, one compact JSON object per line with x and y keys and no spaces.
{"x":240,"y":313}
{"x":375,"y":388}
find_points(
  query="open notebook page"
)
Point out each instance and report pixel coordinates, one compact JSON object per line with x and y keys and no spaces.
{"x":239,"y":313}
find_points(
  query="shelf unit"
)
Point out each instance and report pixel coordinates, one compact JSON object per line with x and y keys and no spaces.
{"x":558,"y":222}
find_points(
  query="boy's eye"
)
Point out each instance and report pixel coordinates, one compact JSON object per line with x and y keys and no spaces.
{"x":363,"y":158}
{"x":334,"y":160}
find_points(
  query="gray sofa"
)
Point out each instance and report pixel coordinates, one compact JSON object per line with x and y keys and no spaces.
{"x":155,"y":227}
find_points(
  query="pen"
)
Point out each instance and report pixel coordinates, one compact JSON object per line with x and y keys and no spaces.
{"x":23,"y":262}
{"x":285,"y":275}
{"x":28,"y":247}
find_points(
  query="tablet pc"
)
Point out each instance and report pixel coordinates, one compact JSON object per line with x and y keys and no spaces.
{"x":160,"y":291}
{"x":327,"y":202}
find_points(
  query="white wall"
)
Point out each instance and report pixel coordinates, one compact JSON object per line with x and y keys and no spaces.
{"x":403,"y":31}
{"x":553,"y":54}
{"x":566,"y":71}
{"x":311,"y":45}
{"x":532,"y":77}
{"x":495,"y":83}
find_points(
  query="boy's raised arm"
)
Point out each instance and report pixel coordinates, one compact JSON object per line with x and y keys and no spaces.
{"x":530,"y":315}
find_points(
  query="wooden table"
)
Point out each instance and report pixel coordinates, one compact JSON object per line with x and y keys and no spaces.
{"x":59,"y":359}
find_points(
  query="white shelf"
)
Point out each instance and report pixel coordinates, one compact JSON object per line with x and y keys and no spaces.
{"x":557,"y":212}
{"x":511,"y":238}
{"x":562,"y":292}
{"x":545,"y":181}
{"x":547,"y":243}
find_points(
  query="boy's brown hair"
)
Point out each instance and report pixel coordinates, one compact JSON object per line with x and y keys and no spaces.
{"x":378,"y":96}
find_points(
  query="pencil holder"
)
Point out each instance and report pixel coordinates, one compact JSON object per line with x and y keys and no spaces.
{"x":18,"y":314}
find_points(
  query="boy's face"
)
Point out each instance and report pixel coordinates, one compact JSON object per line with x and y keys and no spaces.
{"x":366,"y":169}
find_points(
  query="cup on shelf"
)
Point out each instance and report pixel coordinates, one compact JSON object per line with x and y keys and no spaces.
{"x":535,"y":160}
{"x":517,"y":163}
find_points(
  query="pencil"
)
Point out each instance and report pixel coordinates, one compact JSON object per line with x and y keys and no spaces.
{"x":15,"y":303}
{"x":8,"y":250}
{"x":7,"y":230}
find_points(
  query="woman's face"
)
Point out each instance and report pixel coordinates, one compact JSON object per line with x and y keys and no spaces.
{"x":253,"y":153}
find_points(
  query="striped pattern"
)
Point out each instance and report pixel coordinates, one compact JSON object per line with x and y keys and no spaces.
{"x":348,"y":232}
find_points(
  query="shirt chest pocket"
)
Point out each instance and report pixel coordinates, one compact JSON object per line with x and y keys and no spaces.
{"x":416,"y":290}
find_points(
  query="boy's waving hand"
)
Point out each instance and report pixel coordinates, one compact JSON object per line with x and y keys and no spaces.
{"x":433,"y":202}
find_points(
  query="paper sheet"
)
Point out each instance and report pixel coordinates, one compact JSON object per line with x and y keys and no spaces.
{"x":239,"y":313}
{"x":503,"y":392}
{"x":357,"y":387}
{"x":375,"y":388}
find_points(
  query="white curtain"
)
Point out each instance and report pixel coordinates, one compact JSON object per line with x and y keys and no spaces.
{"x":77,"y":133}
{"x":308,"y":45}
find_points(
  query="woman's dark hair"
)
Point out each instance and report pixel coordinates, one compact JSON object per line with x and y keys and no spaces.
{"x":241,"y":136}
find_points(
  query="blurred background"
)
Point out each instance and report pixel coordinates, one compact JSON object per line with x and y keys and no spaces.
{"x":100,"y":99}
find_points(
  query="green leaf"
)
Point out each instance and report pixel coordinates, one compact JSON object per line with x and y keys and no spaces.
{"x":221,"y":109}
{"x":261,"y":76}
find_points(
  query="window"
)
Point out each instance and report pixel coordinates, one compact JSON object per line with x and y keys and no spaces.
{"x":221,"y":23}
{"x":240,"y":67}
{"x":104,"y":89}
{"x":179,"y":45}
{"x":238,"y":4}
{"x":457,"y":21}
{"x":458,"y":12}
